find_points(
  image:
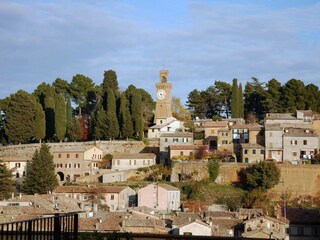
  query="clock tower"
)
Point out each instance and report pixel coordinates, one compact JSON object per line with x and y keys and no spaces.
{"x":163,"y":105}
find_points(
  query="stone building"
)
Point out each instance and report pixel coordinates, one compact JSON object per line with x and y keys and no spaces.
{"x":163,"y":119}
{"x":171,"y":139}
{"x":299,"y":144}
{"x":77,"y":161}
{"x":126,"y":161}
{"x":252,"y":153}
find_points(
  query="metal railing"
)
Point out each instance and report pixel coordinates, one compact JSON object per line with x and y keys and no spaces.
{"x":57,"y":227}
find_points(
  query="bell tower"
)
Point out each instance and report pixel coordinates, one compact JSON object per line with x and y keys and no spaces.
{"x":163,"y":104}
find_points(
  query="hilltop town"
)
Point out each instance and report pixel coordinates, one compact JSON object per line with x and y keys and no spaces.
{"x":178,"y":176}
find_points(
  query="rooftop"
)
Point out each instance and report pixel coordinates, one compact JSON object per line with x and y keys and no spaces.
{"x":134,"y":155}
{"x":177,"y":134}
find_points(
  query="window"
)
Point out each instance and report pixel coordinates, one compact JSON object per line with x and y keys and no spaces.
{"x":152,"y":130}
{"x":59,"y":155}
{"x":246,"y":151}
{"x":212,"y":131}
{"x":24,"y":173}
{"x":191,"y":153}
{"x":66,"y":165}
{"x":294,"y":142}
{"x":78,"y":165}
{"x":261,"y":151}
{"x":112,"y":197}
{"x":135,"y":162}
{"x":175,"y":140}
{"x":18,"y":165}
{"x":181,"y":153}
{"x":77,"y":155}
{"x":17,"y":175}
{"x":166,"y":140}
{"x":185,"y":140}
{"x":246,"y":160}
{"x":294,"y":154}
{"x":253,"y":151}
{"x":305,"y":142}
{"x":68,"y":155}
{"x":226,"y":134}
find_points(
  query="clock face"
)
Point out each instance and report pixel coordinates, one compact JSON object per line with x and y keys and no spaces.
{"x":161,"y":94}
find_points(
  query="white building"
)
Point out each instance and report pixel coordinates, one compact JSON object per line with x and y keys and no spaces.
{"x":126,"y":161}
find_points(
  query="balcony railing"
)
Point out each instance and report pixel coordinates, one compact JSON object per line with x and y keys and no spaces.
{"x":57,"y":227}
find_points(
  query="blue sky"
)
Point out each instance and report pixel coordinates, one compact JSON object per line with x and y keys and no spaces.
{"x":197,"y":41}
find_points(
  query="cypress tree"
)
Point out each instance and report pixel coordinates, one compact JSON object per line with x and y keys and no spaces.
{"x":125,"y":120}
{"x":101,"y":125}
{"x":235,"y":99}
{"x":110,"y":82}
{"x":49,"y":110}
{"x":20,"y":114}
{"x":39,"y":123}
{"x":137,"y":114}
{"x":241,"y":102}
{"x":41,"y":177}
{"x":60,"y":120}
{"x":112,"y":120}
{"x":69,"y":110}
{"x":7,"y":184}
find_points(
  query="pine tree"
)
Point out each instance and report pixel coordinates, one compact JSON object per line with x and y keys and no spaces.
{"x":125,"y":120}
{"x":74,"y":132}
{"x":39,"y":123}
{"x":112,"y":120}
{"x":20,"y":114}
{"x":7,"y":184}
{"x":273,"y":95}
{"x":235,"y":99}
{"x":60,"y":117}
{"x":137,"y":114}
{"x":41,"y":176}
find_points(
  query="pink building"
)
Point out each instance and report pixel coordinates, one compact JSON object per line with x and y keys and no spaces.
{"x":159,"y":196}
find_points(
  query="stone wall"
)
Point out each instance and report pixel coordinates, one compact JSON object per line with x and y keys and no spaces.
{"x":27,"y":150}
{"x":296,"y":180}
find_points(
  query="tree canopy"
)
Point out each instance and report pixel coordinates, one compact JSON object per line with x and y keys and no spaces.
{"x":263,"y":176}
{"x":7,"y":184}
{"x":41,"y":177}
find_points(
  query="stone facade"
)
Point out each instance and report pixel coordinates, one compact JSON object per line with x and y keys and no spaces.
{"x":163,"y":106}
{"x":252,"y":153}
{"x":299,"y":144}
{"x":126,"y":161}
{"x":75,"y":162}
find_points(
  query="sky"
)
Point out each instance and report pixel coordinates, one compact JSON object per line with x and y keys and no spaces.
{"x":199,"y":42}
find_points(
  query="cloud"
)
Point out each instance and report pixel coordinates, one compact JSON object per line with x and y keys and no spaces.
{"x":198,"y":42}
